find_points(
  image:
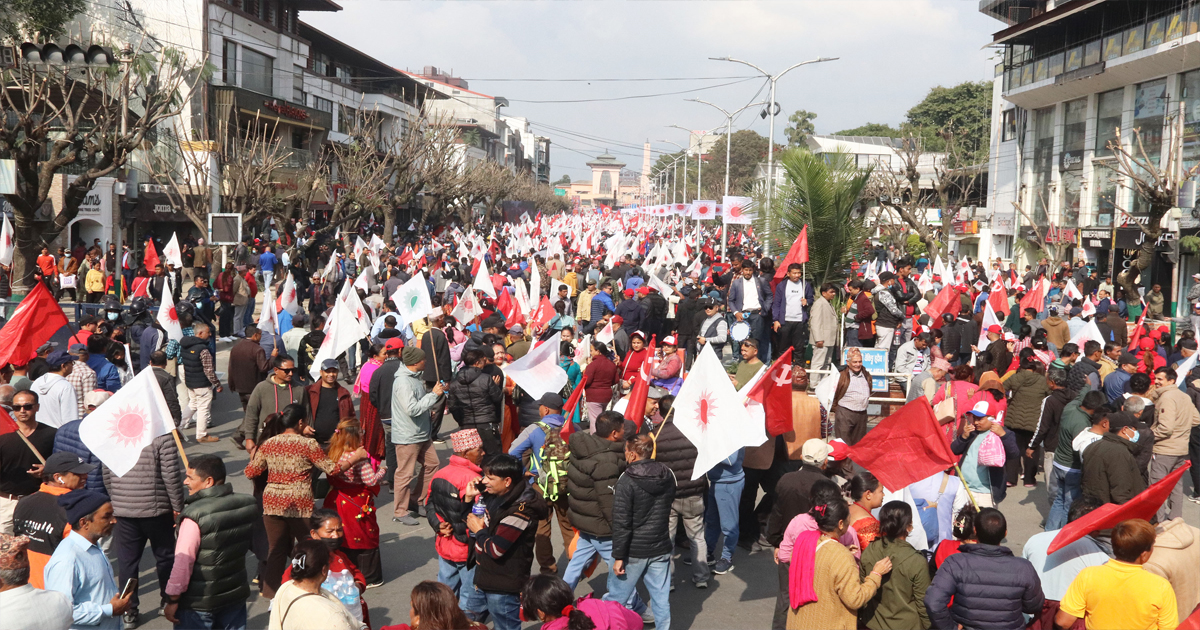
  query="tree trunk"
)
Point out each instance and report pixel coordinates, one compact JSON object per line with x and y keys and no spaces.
{"x":389,"y":225}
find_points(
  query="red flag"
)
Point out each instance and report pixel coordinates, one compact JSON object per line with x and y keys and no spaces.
{"x":542,"y":314}
{"x":151,"y":256}
{"x":1143,"y":506}
{"x":1138,"y":331}
{"x":946,"y":302}
{"x":774,"y":392}
{"x":797,"y":254}
{"x":904,"y":447}
{"x":509,"y":308}
{"x":999,"y":302}
{"x":639,"y":391}
{"x":1034,"y":298}
{"x":569,"y":410}
{"x":35,"y":321}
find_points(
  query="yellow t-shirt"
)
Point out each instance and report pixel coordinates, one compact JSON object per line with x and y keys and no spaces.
{"x":1121,"y":596}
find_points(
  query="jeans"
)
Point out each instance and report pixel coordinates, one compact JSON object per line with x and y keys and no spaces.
{"x":461,"y":579}
{"x":655,"y":573}
{"x":505,"y":609}
{"x":690,"y":510}
{"x":268,"y":277}
{"x":852,"y":340}
{"x":721,"y":516}
{"x":231,"y":617}
{"x":1067,"y":490}
{"x":587,"y":548}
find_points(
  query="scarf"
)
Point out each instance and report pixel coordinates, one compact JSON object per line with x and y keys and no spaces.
{"x":803,"y":569}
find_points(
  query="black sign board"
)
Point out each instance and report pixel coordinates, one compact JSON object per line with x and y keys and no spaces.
{"x":158,"y":208}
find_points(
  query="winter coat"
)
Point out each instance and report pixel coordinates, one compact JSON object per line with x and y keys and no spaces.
{"x":641,"y":509}
{"x":1027,"y":390}
{"x":1058,"y":332}
{"x":67,"y":439}
{"x":676,"y":451}
{"x":503,"y":551}
{"x":1110,"y":471}
{"x":1074,"y":421}
{"x":344,"y":402}
{"x":1175,"y":557}
{"x":248,"y":366}
{"x":267,"y":398}
{"x":411,"y":405}
{"x":380,"y":388}
{"x":592,"y":471}
{"x":153,"y":487}
{"x":990,"y":588}
{"x":445,"y":505}
{"x":438,"y":365}
{"x":793,"y":495}
{"x":474,"y":397}
{"x":1046,"y":433}
{"x":900,"y":600}
{"x":866,"y":309}
{"x":1174,"y":417}
{"x":823,"y":325}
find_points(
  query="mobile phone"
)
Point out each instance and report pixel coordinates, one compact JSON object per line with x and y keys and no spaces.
{"x":130,"y":584}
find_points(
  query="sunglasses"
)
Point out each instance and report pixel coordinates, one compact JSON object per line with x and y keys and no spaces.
{"x":286,"y":370}
{"x":29,"y":407}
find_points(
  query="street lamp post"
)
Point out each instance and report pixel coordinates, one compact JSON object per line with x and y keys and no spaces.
{"x":728,"y":146}
{"x":771,"y":135}
{"x":685,"y":155}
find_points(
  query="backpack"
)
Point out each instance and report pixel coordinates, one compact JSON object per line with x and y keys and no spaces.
{"x":552,"y":475}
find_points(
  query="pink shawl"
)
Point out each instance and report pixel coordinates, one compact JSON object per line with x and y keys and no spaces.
{"x":803,"y":569}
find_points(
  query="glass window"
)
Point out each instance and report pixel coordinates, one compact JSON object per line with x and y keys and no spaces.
{"x":605,"y":183}
{"x":1074,"y":128}
{"x":1039,"y":70}
{"x":1149,"y":106}
{"x":1072,"y":187}
{"x":1135,"y":39}
{"x":258,"y":71}
{"x":322,"y":104}
{"x":1074,"y":59}
{"x":1008,"y":128}
{"x":320,"y":64}
{"x":1156,"y":32}
{"x":346,"y":116}
{"x":1104,"y":184}
{"x":1190,"y":84}
{"x":1193,"y":20}
{"x":229,"y":63}
{"x":298,"y":94}
{"x":1043,"y":161}
{"x":1027,"y":74}
{"x":1056,"y":64}
{"x":342,"y":73}
{"x":1175,"y":26}
{"x":1091,"y":53}
{"x":1112,"y":47}
{"x":1108,"y":119}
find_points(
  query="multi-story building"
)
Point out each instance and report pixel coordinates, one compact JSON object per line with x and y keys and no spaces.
{"x":611,"y":184}
{"x":1073,"y":75}
{"x":484,"y":131}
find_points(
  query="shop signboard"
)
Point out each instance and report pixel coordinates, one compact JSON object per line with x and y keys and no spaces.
{"x":157,"y":207}
{"x":1132,"y":238}
{"x":1095,"y":238}
{"x":875,"y":361}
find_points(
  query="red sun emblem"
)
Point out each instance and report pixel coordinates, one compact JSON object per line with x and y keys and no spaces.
{"x":735,"y":211}
{"x":172,"y":314}
{"x":705,"y":408}
{"x":128,"y":426}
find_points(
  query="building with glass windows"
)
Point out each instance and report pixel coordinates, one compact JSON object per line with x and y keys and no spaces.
{"x":1075,"y":77}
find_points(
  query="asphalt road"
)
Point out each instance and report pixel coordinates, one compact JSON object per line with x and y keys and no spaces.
{"x":742,"y":598}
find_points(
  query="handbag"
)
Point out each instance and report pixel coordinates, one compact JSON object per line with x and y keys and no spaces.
{"x":991,"y":451}
{"x":946,"y":408}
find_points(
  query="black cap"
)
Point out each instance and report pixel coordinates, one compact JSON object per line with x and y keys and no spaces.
{"x":1127,"y":359}
{"x":63,"y":461}
{"x":551,"y":400}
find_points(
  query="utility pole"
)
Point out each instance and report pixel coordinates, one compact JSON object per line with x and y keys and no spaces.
{"x":771,"y":108}
{"x":728,"y":146}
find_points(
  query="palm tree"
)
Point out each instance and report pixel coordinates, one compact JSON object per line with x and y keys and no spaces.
{"x":823,"y":192}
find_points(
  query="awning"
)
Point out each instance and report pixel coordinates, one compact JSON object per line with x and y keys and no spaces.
{"x":1063,"y":10}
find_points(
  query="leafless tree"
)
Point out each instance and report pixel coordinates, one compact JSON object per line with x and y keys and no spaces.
{"x":88,"y":118}
{"x":1046,"y":242}
{"x":423,"y":153}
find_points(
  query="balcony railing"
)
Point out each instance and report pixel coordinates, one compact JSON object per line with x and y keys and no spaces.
{"x":1023,"y":66}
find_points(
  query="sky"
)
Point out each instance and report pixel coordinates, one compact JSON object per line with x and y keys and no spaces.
{"x":891,"y":52}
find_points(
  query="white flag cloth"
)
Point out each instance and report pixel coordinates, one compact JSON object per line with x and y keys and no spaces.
{"x":1089,"y":307}
{"x":989,"y":319}
{"x":483,"y":281}
{"x":1185,"y":368}
{"x":168,"y":318}
{"x":535,"y":284}
{"x":606,"y":335}
{"x":8,"y":244}
{"x":738,"y":210}
{"x":704,"y":209}
{"x":267,"y":319}
{"x":376,"y":244}
{"x":365,"y":280}
{"x":709,"y":412}
{"x":1072,"y":291}
{"x":360,"y":312}
{"x":359,"y":247}
{"x":538,"y":371}
{"x":1091,"y":332}
{"x":290,"y":300}
{"x":467,"y":308}
{"x":412,"y":299}
{"x":344,"y":330}
{"x":127,"y":422}
{"x":172,"y":253}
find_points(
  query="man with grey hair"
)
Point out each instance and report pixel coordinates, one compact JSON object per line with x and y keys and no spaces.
{"x":1133,"y":409}
{"x":6,"y":396}
{"x":850,"y":399}
{"x":26,"y":607}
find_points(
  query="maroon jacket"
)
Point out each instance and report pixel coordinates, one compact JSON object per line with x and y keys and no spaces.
{"x":345,"y":403}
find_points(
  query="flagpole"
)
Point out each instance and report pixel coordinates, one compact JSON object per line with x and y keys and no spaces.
{"x":179,"y":445}
{"x":970,"y":495}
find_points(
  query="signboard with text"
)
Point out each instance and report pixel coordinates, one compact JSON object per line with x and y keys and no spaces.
{"x":875,"y":360}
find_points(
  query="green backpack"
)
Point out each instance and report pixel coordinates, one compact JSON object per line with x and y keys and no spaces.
{"x":552,"y":476}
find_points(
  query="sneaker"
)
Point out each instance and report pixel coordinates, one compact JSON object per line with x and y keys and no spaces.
{"x":711,"y":561}
{"x":701,"y":584}
{"x":1194,"y":498}
{"x":407,"y":519}
{"x":648,"y":617}
{"x":421,"y":511}
{"x":672,"y":587}
{"x":130,"y":618}
{"x":375,"y":584}
{"x":723,"y":566}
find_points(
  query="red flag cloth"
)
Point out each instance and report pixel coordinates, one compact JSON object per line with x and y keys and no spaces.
{"x":1138,"y":331}
{"x":7,"y":424}
{"x":946,"y":302}
{"x":35,"y":321}
{"x":1192,"y":622}
{"x":1034,"y":299}
{"x":797,"y":254}
{"x":542,"y":314}
{"x":904,"y":447}
{"x":774,"y":392}
{"x":151,"y":256}
{"x":509,"y":308}
{"x":999,"y":302}
{"x":639,"y":391}
{"x":569,"y":410}
{"x":1145,"y":505}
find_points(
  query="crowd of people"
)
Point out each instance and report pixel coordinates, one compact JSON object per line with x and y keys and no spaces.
{"x":1008,"y":363}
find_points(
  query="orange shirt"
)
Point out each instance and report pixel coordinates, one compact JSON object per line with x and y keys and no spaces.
{"x":37,"y":561}
{"x":47,"y":265}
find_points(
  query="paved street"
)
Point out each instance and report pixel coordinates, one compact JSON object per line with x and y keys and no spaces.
{"x":743,"y":598}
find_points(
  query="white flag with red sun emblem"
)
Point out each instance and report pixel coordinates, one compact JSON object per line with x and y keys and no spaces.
{"x":711,"y":414}
{"x":289,"y":300}
{"x":127,"y":422}
{"x":168,"y":318}
{"x":8,"y":244}
{"x":738,"y":210}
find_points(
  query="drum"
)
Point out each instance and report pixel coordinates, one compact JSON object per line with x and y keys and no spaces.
{"x":740,"y":331}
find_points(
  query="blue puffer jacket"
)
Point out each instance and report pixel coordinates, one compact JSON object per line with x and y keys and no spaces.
{"x":990,"y":587}
{"x":67,"y":439}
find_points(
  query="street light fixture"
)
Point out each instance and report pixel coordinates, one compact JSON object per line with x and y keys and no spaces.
{"x":771,"y":107}
{"x":685,"y":154}
{"x":699,"y":155}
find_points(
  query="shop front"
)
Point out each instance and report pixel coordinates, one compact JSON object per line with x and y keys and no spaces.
{"x":1126,"y":243}
{"x":155,"y":215}
{"x":1097,"y":247}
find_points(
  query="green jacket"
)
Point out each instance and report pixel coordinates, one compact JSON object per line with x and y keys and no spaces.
{"x":899,"y":604}
{"x":219,"y":573}
{"x":1074,"y":422}
{"x":1028,"y":389}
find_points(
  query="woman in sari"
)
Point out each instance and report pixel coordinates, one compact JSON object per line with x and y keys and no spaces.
{"x":352,"y":493}
{"x":867,"y":494}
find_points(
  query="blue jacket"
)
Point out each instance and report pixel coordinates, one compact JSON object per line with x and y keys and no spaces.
{"x":602,"y":303}
{"x":107,"y":376}
{"x":779,"y":309}
{"x":991,"y":588}
{"x":737,"y":298}
{"x":67,"y":439}
{"x":267,"y":261}
{"x":728,"y":470}
{"x":1116,"y":384}
{"x":533,"y":440}
{"x":633,"y":313}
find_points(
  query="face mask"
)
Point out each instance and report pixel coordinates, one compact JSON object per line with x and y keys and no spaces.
{"x":112,"y":315}
{"x":1137,"y":435}
{"x":332,"y":543}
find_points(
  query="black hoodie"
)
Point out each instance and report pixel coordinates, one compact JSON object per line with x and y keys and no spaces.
{"x":641,"y":509}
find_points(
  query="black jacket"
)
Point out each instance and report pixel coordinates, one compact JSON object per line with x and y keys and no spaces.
{"x":592,"y":471}
{"x":1046,"y":433}
{"x":1110,"y":470}
{"x":641,"y":509}
{"x":990,"y":587}
{"x":677,"y":452}
{"x":473,"y":397}
{"x":379,"y":390}
{"x":792,"y":498}
{"x":190,"y":350}
{"x":512,"y":522}
{"x":685,"y":317}
{"x":438,"y":365}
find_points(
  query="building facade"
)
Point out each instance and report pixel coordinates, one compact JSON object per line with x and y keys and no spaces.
{"x":611,"y":185}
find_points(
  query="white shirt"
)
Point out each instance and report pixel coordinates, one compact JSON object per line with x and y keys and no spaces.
{"x":29,"y":608}
{"x":750,"y":295}
{"x":57,"y":401}
{"x":1085,"y":439}
{"x":792,"y":296}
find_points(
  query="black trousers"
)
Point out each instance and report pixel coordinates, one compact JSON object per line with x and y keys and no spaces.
{"x":490,"y":435}
{"x":1029,"y":465}
{"x":752,"y":513}
{"x":1194,"y":455}
{"x":793,"y":335}
{"x":130,"y":536}
{"x":367,"y":561}
{"x":782,"y":597}
{"x":225,"y":319}
{"x":436,"y":414}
